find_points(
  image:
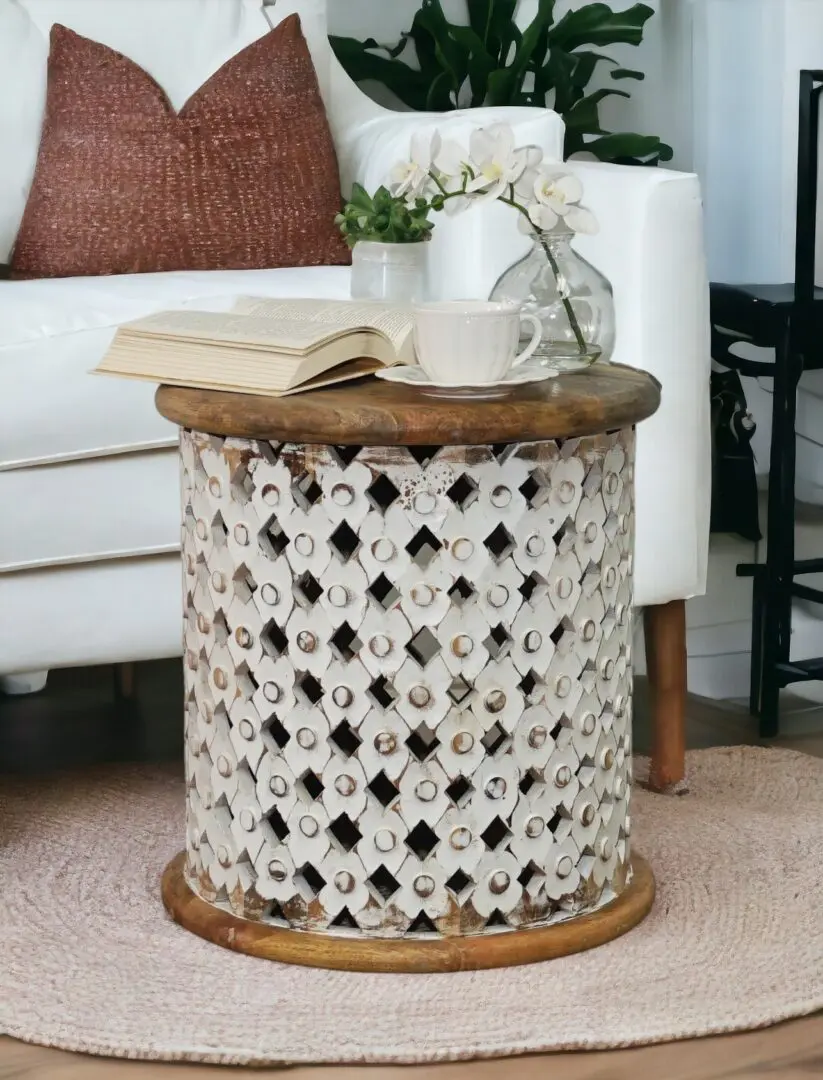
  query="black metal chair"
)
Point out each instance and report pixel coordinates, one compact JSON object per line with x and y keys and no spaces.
{"x":788,"y":319}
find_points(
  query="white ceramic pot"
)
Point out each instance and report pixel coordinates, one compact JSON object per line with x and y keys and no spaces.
{"x":392,"y":272}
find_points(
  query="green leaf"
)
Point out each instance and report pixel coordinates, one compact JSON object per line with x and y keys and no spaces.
{"x":409,"y":85}
{"x":597,"y":24}
{"x":584,"y":117}
{"x":627,"y":73}
{"x":625,"y":146}
{"x":360,"y":198}
{"x":506,"y":83}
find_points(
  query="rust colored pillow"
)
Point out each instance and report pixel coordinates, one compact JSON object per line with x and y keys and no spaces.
{"x":243,"y":177}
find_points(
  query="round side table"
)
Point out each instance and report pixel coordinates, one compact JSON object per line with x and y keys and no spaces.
{"x":408,"y":680}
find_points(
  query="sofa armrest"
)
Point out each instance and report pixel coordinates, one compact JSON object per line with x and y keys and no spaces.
{"x":465,"y":249}
{"x":650,"y":246}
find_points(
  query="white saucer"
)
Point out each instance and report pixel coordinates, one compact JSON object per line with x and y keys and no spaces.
{"x":414,"y":375}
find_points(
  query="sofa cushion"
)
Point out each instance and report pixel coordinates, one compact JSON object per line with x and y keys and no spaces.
{"x":243,"y":177}
{"x":179,"y":43}
{"x":53,"y":332}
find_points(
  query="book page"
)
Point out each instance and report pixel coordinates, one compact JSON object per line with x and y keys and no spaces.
{"x":295,"y":336}
{"x":394,"y":322}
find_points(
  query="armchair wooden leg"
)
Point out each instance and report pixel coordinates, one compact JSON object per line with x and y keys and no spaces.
{"x":125,"y":681}
{"x":664,"y":627}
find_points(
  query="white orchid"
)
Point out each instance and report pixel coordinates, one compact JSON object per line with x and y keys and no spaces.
{"x":411,"y":179}
{"x":496,"y":162}
{"x":556,"y":197}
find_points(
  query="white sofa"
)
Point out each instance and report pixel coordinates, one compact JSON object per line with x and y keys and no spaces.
{"x":88,"y":470}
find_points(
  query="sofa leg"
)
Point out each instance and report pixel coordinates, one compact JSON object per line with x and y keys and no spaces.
{"x":30,"y":682}
{"x":664,"y":626}
{"x":125,"y":681}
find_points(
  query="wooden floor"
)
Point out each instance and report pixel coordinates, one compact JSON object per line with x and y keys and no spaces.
{"x":76,"y":723}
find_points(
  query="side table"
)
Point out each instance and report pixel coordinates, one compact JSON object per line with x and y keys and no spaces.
{"x":408,"y":680}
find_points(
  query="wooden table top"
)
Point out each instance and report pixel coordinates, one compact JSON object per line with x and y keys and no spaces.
{"x":371,"y":412}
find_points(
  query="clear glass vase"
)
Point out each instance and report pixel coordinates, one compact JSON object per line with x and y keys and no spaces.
{"x":395,"y":273}
{"x":572,"y":299}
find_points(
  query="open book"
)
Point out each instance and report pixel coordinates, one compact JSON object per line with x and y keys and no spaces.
{"x":270,"y":347}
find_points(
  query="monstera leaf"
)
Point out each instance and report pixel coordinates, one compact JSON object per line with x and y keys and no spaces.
{"x":488,"y":60}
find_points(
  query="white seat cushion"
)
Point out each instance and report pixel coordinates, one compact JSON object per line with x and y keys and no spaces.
{"x":52,"y":333}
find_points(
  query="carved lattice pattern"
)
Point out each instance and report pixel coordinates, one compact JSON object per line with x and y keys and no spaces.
{"x":408,"y":681}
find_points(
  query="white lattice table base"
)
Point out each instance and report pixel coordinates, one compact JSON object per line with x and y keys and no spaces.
{"x":408,"y":682}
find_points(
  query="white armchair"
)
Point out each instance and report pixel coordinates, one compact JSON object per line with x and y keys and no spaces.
{"x":92,"y":454}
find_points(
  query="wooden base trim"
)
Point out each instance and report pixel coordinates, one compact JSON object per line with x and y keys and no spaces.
{"x":504,"y":949}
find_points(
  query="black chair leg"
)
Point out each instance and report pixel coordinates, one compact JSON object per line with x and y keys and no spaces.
{"x":773,"y":621}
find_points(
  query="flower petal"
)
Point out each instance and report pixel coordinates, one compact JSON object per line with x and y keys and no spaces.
{"x":482,"y":146}
{"x":534,"y":156}
{"x":525,"y":225}
{"x":503,"y":137}
{"x":581,"y":220}
{"x":450,"y":157}
{"x":569,"y":187}
{"x":421,"y":149}
{"x":456,"y":206}
{"x":543,"y":217}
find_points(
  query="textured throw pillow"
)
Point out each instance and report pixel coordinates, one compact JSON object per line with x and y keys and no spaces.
{"x":243,"y":177}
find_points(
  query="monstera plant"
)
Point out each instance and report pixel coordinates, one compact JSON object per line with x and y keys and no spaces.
{"x":489,"y":60}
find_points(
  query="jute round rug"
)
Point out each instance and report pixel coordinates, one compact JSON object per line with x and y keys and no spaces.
{"x":91,"y":962}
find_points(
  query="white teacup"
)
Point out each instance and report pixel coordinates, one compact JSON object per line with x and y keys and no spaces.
{"x":463,"y":342}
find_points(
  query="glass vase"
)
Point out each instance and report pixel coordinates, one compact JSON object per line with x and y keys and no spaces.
{"x":395,"y":273}
{"x":570,"y":297}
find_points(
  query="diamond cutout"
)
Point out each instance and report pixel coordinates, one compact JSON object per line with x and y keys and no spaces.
{"x":345,"y":454}
{"x":344,"y":541}
{"x":272,"y":539}
{"x":422,"y":742}
{"x":463,"y":491}
{"x":423,"y":547}
{"x":458,"y":883}
{"x":345,"y":642}
{"x":421,"y":924}
{"x":422,"y":840}
{"x":381,"y":493}
{"x":273,"y":639}
{"x":497,"y":918}
{"x":422,"y":454}
{"x":346,"y":920}
{"x":499,"y":642}
{"x":529,"y":683}
{"x":384,"y":883}
{"x":281,"y":829}
{"x":495,"y":833}
{"x":306,"y":491}
{"x":345,"y":738}
{"x":494,"y":738}
{"x":344,"y":832}
{"x":382,"y":692}
{"x":244,"y":584}
{"x":311,"y":877}
{"x":530,"y":778}
{"x":278,"y":732}
{"x":423,"y":647}
{"x":383,"y":592}
{"x":535,"y":488}
{"x":461,"y":592}
{"x":311,"y":784}
{"x":307,"y":590}
{"x":533,"y":587}
{"x":459,"y":690}
{"x":309,"y":688}
{"x":499,"y":543}
{"x":383,"y":789}
{"x":460,"y":791}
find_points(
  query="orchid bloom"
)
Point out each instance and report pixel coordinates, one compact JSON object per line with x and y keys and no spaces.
{"x":411,"y":178}
{"x":556,"y":198}
{"x":496,"y":162}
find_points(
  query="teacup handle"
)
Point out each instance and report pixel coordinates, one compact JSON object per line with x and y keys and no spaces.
{"x":537,"y":336}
